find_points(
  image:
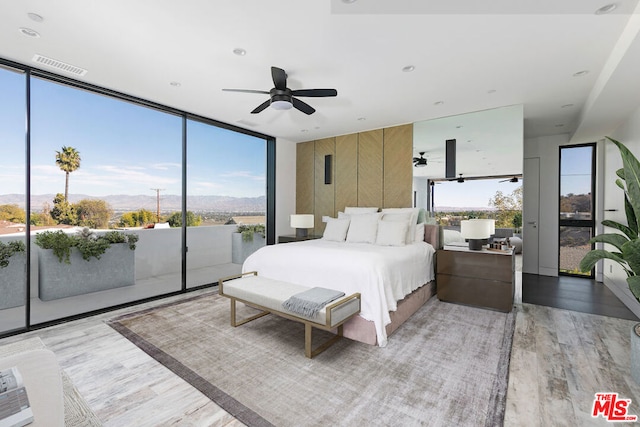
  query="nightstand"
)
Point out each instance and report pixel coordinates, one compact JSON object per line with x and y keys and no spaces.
{"x":294,"y":238}
{"x":483,"y":278}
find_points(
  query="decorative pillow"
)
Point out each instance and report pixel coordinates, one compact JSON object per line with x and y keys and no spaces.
{"x":357,"y":210}
{"x":392,"y":233}
{"x":363,"y":228}
{"x":336,"y":229}
{"x":404,"y":217}
{"x":419,"y":236}
{"x":450,"y":236}
{"x":414,"y":219}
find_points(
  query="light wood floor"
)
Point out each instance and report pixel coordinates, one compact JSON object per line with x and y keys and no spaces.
{"x":559,"y":360}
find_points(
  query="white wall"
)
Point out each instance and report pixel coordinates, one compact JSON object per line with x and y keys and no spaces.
{"x":629,"y":134}
{"x":285,"y":185}
{"x":546,"y":148}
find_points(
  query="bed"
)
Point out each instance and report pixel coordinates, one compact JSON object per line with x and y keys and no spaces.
{"x":395,"y":281}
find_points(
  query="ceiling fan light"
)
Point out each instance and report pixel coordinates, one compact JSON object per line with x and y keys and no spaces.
{"x":281,"y":105}
{"x":420,"y":165}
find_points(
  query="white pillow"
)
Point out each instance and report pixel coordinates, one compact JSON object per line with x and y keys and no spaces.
{"x":413,"y":222}
{"x":357,"y":210}
{"x":392,"y":233}
{"x":450,"y":236}
{"x":336,"y":229}
{"x":363,"y":228}
{"x":404,"y":217}
{"x":419,"y":236}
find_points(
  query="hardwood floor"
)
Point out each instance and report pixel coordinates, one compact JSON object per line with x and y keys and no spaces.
{"x":573,"y":293}
{"x":560,"y":359}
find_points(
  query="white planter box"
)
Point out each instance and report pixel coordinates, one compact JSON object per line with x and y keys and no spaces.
{"x":240,"y":249}
{"x":114,"y":269}
{"x":13,"y":279}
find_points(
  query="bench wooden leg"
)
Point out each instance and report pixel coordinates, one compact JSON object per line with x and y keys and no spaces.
{"x":235,"y":323}
{"x":308,"y":332}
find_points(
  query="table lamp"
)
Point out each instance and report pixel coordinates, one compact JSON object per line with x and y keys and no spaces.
{"x":301,"y":223}
{"x":476,"y":231}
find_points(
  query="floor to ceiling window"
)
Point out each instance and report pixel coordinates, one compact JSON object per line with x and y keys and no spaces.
{"x":125,"y":199}
{"x":226,"y":192}
{"x":13,"y":284}
{"x":577,"y":183}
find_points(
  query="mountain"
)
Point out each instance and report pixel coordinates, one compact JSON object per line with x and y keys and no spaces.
{"x":123,"y":202}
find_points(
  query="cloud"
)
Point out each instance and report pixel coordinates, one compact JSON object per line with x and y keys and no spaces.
{"x":243,"y":174}
{"x":166,"y":166}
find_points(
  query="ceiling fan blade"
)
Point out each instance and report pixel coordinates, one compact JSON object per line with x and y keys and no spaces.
{"x":315,"y":92}
{"x":279,"y":78}
{"x":246,"y":91}
{"x":304,"y":107}
{"x":261,"y":107}
{"x":415,"y":159}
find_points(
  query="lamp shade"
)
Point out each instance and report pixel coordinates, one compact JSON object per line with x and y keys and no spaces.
{"x":475,"y":229}
{"x":492,"y":225}
{"x":302,"y":221}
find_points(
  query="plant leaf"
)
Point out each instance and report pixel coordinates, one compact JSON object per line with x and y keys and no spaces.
{"x":631,"y":254}
{"x":620,"y":184}
{"x":631,"y":176}
{"x":620,"y":172}
{"x":613,"y":239}
{"x":592,"y":257}
{"x":621,"y":227}
{"x":632,"y":220}
{"x":634,"y":286}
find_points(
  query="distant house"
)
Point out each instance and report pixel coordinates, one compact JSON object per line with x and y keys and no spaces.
{"x":246,"y":220}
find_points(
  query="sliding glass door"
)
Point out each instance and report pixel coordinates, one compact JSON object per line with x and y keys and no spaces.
{"x":577,"y":185}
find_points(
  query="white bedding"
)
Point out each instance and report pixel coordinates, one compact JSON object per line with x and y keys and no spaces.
{"x":382,"y":274}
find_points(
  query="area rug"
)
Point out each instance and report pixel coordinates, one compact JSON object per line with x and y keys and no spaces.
{"x":447,"y":365}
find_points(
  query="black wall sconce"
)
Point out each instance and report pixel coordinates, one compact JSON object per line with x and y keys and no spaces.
{"x":327,"y":169}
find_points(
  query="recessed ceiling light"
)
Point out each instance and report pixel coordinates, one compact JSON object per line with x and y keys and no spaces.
{"x":349,"y":1}
{"x":317,"y":127}
{"x":35,"y":17}
{"x":175,"y":84}
{"x":559,"y":125}
{"x":567,"y":106}
{"x":459,"y":127}
{"x":606,"y":9}
{"x":239,"y":51}
{"x":408,"y":68}
{"x":29,"y":32}
{"x":438,"y":103}
{"x":362,"y":119}
{"x":304,"y":130}
{"x":491,"y":91}
{"x":581,"y":73}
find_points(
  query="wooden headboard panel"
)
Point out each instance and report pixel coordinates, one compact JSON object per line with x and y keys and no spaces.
{"x":433,"y":235}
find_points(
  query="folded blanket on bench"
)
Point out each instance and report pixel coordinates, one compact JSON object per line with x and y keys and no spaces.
{"x":310,"y":302}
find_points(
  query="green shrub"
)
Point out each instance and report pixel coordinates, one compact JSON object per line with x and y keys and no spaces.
{"x":8,"y":249}
{"x":88,"y":244}
{"x":247,"y":231}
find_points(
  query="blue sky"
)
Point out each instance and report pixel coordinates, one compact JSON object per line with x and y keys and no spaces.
{"x":471,"y":193}
{"x":125,"y":148}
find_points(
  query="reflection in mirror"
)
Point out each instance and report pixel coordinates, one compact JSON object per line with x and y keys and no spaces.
{"x":488,"y":143}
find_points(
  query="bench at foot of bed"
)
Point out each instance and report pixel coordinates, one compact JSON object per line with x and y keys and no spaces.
{"x":268,"y":295}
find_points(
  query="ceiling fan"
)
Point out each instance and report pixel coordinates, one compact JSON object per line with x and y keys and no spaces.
{"x":459,"y":179}
{"x":420,"y":162}
{"x":282,"y":98}
{"x":514,"y":179}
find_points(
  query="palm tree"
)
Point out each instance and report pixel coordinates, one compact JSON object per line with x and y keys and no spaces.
{"x":67,"y":160}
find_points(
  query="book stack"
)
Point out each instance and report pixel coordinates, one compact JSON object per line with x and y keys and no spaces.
{"x":15,"y":410}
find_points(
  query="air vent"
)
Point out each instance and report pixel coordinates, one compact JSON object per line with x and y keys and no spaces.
{"x":59,"y":65}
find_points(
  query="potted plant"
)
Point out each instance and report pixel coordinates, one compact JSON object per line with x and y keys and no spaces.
{"x":626,"y":243}
{"x":75,"y":264}
{"x":247,"y":239}
{"x":13,"y":264}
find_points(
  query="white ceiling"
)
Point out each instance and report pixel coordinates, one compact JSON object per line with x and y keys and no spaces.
{"x":470,"y":57}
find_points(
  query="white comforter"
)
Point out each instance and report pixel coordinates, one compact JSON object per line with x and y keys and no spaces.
{"x":382,"y":274}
